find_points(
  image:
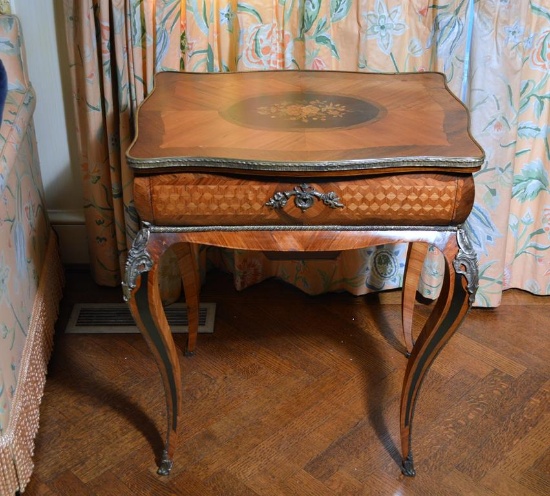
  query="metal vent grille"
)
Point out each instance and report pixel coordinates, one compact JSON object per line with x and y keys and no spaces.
{"x":89,"y":318}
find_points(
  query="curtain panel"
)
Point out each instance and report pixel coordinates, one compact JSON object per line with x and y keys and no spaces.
{"x":494,"y":53}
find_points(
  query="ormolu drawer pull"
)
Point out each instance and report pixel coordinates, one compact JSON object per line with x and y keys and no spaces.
{"x":304,"y":198}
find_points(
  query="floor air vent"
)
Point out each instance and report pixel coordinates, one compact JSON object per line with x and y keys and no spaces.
{"x":88,"y":318}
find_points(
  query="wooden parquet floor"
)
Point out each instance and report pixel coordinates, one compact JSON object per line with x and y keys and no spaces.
{"x":299,"y":395}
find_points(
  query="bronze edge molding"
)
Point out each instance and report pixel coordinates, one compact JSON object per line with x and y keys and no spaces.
{"x":442,"y":163}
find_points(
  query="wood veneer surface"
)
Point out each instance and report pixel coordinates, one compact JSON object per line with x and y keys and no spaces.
{"x":388,"y":199}
{"x":303,"y":121}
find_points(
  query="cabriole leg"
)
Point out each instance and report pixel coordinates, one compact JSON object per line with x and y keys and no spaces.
{"x":457,"y":294}
{"x":416,"y":254}
{"x":188,"y":260}
{"x":141,"y":291}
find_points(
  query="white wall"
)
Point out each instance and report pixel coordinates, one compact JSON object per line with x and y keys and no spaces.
{"x":43,"y":30}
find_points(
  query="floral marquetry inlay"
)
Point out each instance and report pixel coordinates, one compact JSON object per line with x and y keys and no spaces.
{"x":305,"y":111}
{"x":301,"y":110}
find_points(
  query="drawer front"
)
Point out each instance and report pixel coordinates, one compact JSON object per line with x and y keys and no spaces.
{"x":195,"y":199}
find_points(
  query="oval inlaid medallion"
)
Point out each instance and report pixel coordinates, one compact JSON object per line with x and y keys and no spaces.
{"x":301,"y":110}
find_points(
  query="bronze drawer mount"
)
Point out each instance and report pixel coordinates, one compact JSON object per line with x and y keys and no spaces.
{"x":304,"y":197}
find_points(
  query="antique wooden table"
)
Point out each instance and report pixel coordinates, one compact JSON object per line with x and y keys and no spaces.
{"x":301,"y":161}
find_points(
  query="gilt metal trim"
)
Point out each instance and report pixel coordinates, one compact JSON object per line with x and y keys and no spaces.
{"x":407,"y":466}
{"x":279,"y":228}
{"x":138,"y":261}
{"x":465,"y":262}
{"x":166,"y":464}
{"x":363,"y":165}
{"x":304,"y":197}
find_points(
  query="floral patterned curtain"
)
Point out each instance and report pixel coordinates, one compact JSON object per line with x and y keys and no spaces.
{"x":494,"y":53}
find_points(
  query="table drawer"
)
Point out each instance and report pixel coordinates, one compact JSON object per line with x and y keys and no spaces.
{"x":195,"y":199}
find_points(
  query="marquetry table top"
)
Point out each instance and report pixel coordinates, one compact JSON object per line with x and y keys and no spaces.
{"x":302,"y":121}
